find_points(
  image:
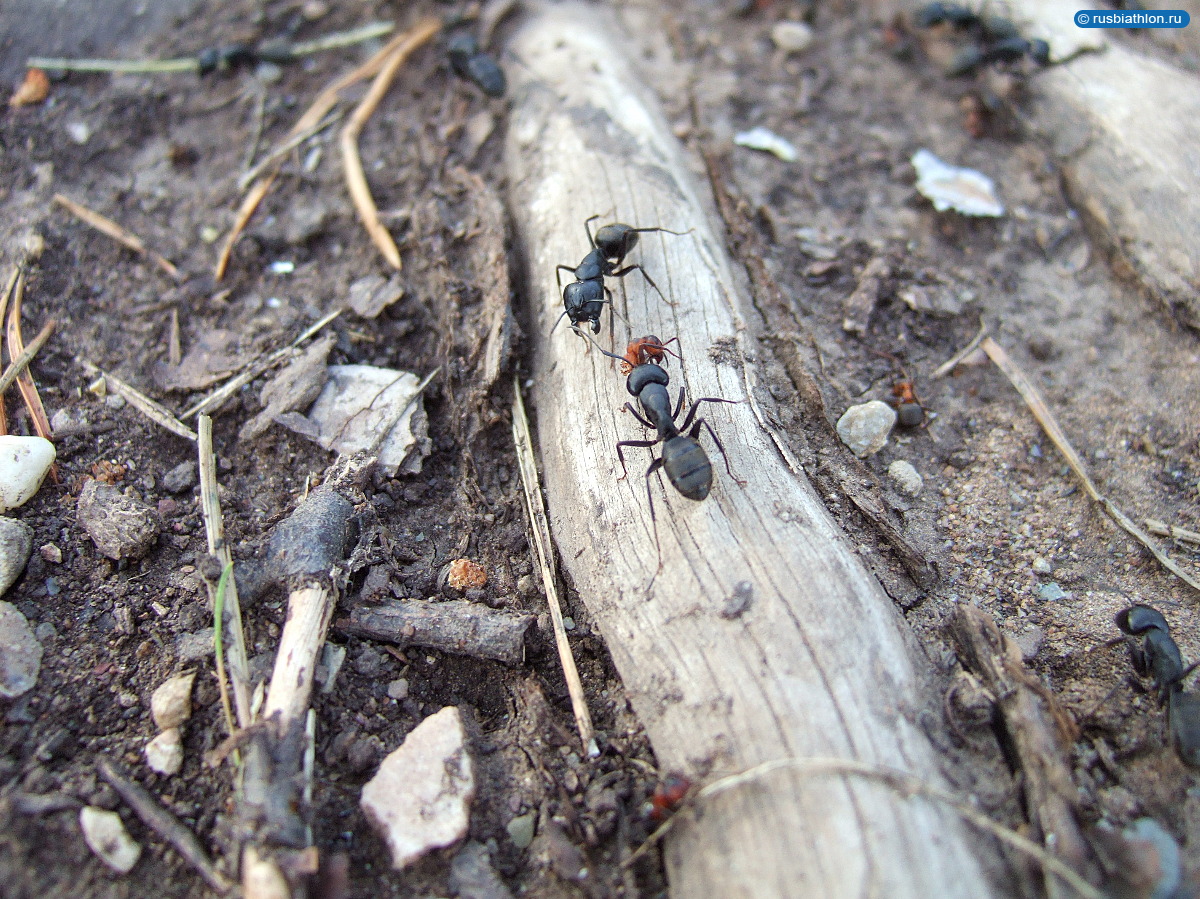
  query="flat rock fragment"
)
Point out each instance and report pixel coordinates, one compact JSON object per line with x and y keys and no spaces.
{"x":121,"y":527}
{"x":372,"y":294}
{"x":20,"y":653}
{"x":367,"y":408}
{"x":295,"y":387}
{"x":420,"y":799}
{"x":106,"y":836}
{"x":24,"y":462}
{"x":16,"y":545}
{"x":953,"y":187}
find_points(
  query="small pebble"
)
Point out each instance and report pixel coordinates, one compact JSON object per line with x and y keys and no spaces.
{"x":183,"y":476}
{"x":1051,"y":592}
{"x":24,"y":462}
{"x":521,"y":830}
{"x":907,"y":479}
{"x":194,"y":646}
{"x":120,"y":526}
{"x":171,"y":704}
{"x":16,"y":544}
{"x":472,"y":876}
{"x":865,"y":428}
{"x":106,"y":836}
{"x":465,"y":574}
{"x":164,"y":754}
{"x":1041,"y":566}
{"x":51,"y":553}
{"x":20,"y":653}
{"x":792,"y":37}
{"x":398,"y":689}
{"x":114,"y":401}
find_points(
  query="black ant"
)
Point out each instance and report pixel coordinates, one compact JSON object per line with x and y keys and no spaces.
{"x":1159,"y":657}
{"x":471,"y":63}
{"x":584,"y":298}
{"x":683,"y":458}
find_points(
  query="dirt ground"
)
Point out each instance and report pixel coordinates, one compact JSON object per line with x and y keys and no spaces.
{"x":1000,"y":518}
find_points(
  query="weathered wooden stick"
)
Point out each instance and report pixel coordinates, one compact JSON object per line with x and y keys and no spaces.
{"x":456,"y":626}
{"x":819,"y":664}
{"x":1050,"y":794}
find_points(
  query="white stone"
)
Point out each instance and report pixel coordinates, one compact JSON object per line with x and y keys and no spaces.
{"x":106,"y":836}
{"x":865,"y":428}
{"x":908,"y":480}
{"x":20,"y":653}
{"x":420,"y":799}
{"x":792,"y":37}
{"x":16,"y":544}
{"x":164,"y":754}
{"x":171,"y":704}
{"x":24,"y":462}
{"x":953,"y":187}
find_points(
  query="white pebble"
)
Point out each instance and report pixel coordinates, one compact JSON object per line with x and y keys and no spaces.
{"x":765,"y":139}
{"x":792,"y":37}
{"x":953,"y":187}
{"x":24,"y":462}
{"x":106,"y":836}
{"x":908,"y":479}
{"x":865,"y":428}
{"x":171,"y":704}
{"x":164,"y":754}
{"x":16,"y":545}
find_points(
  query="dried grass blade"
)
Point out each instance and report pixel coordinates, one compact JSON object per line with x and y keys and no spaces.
{"x":111,"y":229}
{"x":1042,"y":413}
{"x":16,"y":349}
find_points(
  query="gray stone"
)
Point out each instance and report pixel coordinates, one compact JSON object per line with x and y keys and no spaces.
{"x":521,"y":829}
{"x":472,"y":877}
{"x":907,"y":479}
{"x":183,"y":476}
{"x":865,"y":428}
{"x":120,"y":526}
{"x":20,"y":653}
{"x":16,"y":545}
{"x":420,"y":799}
{"x":194,"y":646}
{"x":1051,"y":592}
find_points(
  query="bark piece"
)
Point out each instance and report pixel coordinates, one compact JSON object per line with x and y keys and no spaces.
{"x":455,"y":626}
{"x":819,"y":665}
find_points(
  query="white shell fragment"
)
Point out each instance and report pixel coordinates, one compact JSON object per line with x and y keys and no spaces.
{"x":420,"y":799}
{"x":951,"y":187}
{"x":106,"y":836}
{"x":362,"y":404}
{"x":171,"y":703}
{"x":865,"y":428}
{"x":24,"y":462}
{"x":761,"y":138}
{"x":164,"y":754}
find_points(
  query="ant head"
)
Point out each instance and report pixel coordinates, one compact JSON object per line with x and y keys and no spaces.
{"x":1139,"y":619}
{"x":646,"y":349}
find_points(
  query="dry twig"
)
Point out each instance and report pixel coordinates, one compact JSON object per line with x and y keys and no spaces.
{"x":122,"y":236}
{"x":545,"y":557}
{"x":950,"y":364}
{"x":155,"y":411}
{"x":19,"y":364}
{"x":356,"y":179}
{"x":1042,"y":413}
{"x":317,"y":111}
{"x":16,"y":348}
{"x":163,"y":823}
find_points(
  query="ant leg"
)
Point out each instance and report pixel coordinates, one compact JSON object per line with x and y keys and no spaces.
{"x":643,"y":444}
{"x":678,"y":406}
{"x":558,"y":269}
{"x":587,"y":226}
{"x":637,"y":265}
{"x":695,"y":431}
{"x":644,"y":423}
{"x":692,"y":411}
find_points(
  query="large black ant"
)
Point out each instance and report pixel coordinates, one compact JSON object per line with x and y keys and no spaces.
{"x":584,"y":298}
{"x":1158,"y":657}
{"x":683,"y":458}
{"x":471,"y":63}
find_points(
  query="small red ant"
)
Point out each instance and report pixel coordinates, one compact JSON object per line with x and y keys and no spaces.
{"x":668,"y":796}
{"x":645,"y":349}
{"x":909,"y":411}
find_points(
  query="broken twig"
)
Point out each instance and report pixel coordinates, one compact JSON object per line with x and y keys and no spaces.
{"x":122,"y":236}
{"x":456,"y":626}
{"x":545,"y":556}
{"x":163,"y":823}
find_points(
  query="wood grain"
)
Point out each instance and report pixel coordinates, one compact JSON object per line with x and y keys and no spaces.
{"x":820,"y":664}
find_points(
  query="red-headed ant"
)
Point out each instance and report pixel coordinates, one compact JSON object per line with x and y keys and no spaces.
{"x":668,"y":796}
{"x":585,"y":297}
{"x":645,"y":349}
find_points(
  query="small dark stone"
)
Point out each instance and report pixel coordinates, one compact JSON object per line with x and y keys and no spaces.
{"x":910,"y":415}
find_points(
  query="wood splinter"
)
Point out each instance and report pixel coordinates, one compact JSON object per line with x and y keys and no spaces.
{"x":456,"y":626}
